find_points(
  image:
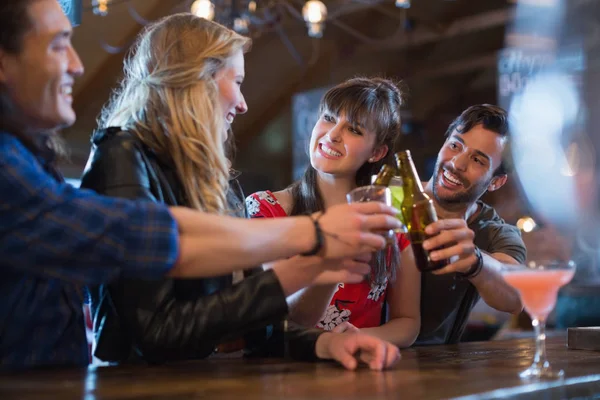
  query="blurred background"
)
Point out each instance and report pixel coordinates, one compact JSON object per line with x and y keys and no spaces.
{"x":540,"y":59}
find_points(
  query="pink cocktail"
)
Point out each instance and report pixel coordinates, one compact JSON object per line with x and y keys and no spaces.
{"x":538,"y":285}
{"x":538,"y":289}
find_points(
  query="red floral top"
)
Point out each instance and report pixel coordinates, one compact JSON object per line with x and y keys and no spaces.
{"x":358,"y":303}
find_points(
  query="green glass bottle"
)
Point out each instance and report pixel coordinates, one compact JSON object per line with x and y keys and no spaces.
{"x":417,"y":211}
{"x":385,"y":175}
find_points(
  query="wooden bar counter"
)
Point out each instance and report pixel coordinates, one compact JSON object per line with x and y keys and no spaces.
{"x":469,"y":370}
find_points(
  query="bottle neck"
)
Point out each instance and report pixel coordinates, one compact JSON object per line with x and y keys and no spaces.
{"x":410,"y":179}
{"x":384,"y":176}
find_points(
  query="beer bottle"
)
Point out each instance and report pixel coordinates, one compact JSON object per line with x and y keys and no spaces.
{"x":383,"y":178}
{"x":418,"y":212}
{"x":385,"y":175}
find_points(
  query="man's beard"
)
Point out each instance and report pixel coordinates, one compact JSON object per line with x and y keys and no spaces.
{"x":459,"y":198}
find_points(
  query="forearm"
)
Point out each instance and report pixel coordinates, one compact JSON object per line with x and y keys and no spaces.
{"x":308,"y":305}
{"x":493,"y":289}
{"x":400,"y":331}
{"x":213,"y":245}
{"x":296,"y":274}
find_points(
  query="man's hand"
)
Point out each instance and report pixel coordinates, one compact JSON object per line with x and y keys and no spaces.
{"x":345,"y":348}
{"x":457,"y":238}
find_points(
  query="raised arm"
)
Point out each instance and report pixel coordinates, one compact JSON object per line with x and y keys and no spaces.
{"x":51,"y":229}
{"x":508,"y":248}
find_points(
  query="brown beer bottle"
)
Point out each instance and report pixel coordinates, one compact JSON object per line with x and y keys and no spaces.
{"x":418,"y":212}
{"x":383,"y":178}
{"x":385,"y":175}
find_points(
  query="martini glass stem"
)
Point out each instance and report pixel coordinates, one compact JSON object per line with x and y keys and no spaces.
{"x":540,"y":361}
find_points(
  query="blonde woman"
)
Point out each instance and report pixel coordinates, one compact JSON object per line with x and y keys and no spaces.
{"x":162,"y":139}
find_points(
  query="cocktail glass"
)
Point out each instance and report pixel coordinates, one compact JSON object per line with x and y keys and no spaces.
{"x":538,"y":283}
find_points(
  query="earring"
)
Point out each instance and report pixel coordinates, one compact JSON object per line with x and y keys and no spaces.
{"x":372,"y":159}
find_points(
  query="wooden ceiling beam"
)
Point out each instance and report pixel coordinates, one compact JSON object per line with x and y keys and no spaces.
{"x":262,"y":118}
{"x":485,"y":79}
{"x":430,"y":97}
{"x":462,"y":26}
{"x":476,"y":63}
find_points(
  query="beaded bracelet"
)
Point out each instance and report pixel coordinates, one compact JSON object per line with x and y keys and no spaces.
{"x":475,"y":268}
{"x":320,"y":239}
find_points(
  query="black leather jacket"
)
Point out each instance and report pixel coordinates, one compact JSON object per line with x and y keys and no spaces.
{"x":175,"y":319}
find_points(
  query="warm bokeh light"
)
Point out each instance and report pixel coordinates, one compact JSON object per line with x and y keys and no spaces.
{"x":252,"y":6}
{"x":100,"y":7}
{"x":526,"y":224}
{"x":314,"y":12}
{"x":203,"y":9}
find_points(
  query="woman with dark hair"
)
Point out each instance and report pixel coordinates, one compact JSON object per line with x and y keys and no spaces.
{"x":359,"y":121}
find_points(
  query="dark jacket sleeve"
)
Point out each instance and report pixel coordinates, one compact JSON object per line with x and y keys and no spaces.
{"x":289,"y":340}
{"x":166,"y":327}
{"x":153,"y":316}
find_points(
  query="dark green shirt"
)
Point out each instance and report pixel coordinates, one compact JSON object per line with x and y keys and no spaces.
{"x":446,"y":301}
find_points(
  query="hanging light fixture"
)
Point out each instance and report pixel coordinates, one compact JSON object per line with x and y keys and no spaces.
{"x":100,"y":7}
{"x":247,"y":17}
{"x":203,"y":9}
{"x":314,"y":13}
{"x":403,"y":3}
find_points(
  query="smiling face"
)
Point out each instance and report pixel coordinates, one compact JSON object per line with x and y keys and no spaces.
{"x":229,"y":81}
{"x":39,"y":79}
{"x":465,"y":166}
{"x":340,"y":148}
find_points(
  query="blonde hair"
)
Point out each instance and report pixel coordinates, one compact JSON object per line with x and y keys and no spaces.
{"x":169,"y":99}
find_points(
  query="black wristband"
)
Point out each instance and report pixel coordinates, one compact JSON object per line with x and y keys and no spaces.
{"x":475,"y":268}
{"x":319,"y":235}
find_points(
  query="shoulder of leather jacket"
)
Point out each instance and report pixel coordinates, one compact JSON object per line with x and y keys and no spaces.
{"x":116,"y":159}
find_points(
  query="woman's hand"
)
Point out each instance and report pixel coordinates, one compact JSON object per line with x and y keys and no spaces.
{"x":351,"y":348}
{"x":344,"y":270}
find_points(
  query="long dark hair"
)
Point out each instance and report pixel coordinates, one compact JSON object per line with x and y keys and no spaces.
{"x":375,"y":104}
{"x":15,"y":23}
{"x":14,"y":20}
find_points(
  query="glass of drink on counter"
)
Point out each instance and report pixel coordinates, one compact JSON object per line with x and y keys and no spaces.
{"x":538,"y":283}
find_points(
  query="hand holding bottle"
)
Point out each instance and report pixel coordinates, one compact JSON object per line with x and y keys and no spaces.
{"x":451,"y":239}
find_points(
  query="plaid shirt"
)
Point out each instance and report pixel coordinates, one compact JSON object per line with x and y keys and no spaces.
{"x":54,"y":239}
